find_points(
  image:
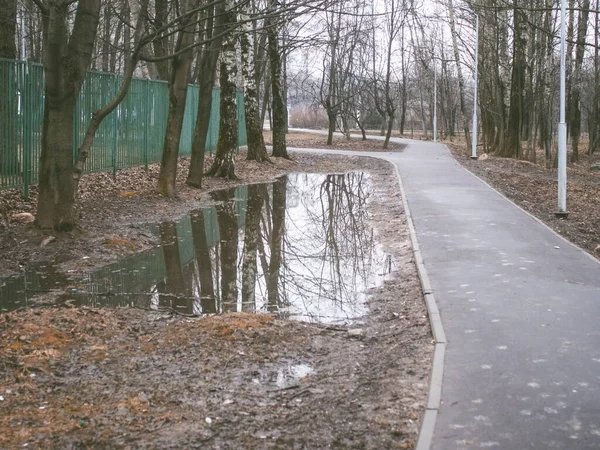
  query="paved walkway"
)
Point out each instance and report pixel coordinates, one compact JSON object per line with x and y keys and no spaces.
{"x":521,"y":312}
{"x":520,"y":308}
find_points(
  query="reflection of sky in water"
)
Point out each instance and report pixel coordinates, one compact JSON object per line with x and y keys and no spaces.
{"x":328,"y":257}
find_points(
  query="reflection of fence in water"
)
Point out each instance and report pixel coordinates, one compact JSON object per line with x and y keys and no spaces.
{"x":132,"y":135}
{"x":329,"y":257}
{"x":135,"y":276}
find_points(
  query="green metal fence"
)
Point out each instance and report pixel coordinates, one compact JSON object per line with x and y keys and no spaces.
{"x":132,"y":135}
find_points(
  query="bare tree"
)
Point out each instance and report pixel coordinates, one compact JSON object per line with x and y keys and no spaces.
{"x":257,"y":151}
{"x":67,"y":54}
{"x":223,"y":165}
{"x":273,"y":27}
{"x":178,"y":88}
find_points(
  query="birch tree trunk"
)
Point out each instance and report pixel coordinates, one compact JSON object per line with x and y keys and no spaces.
{"x":512,"y":143}
{"x":461,"y":82}
{"x":178,"y":87}
{"x":257,"y":151}
{"x":223,"y":165}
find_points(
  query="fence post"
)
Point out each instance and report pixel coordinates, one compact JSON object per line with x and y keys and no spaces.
{"x":26,"y":101}
{"x":147,"y":121}
{"x":116,"y":132}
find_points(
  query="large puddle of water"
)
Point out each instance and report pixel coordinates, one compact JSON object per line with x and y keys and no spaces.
{"x":301,"y":248}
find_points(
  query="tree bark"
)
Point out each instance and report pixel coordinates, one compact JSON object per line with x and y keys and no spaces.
{"x":576,"y":80}
{"x":257,"y":151}
{"x":512,"y":142}
{"x":178,"y":87}
{"x":278,"y":102}
{"x":99,"y":115}
{"x":161,"y":42}
{"x":8,"y":22}
{"x":66,"y":61}
{"x":223,"y":165}
{"x":208,"y":73}
{"x":9,"y":153}
{"x":461,"y":82}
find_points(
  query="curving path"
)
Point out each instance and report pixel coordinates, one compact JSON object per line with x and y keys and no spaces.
{"x":520,"y":307}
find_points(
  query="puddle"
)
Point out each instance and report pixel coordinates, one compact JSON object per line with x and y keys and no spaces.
{"x":300,"y":248}
{"x":283,"y":375}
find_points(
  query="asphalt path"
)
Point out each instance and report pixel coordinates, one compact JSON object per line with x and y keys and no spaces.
{"x":520,"y":308}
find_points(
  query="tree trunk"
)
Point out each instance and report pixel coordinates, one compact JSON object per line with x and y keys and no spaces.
{"x":8,"y":22}
{"x":100,"y":114}
{"x":595,"y":116}
{"x":576,"y":81}
{"x":9,"y":152}
{"x":160,"y":44}
{"x":512,"y":142}
{"x":257,"y":151}
{"x":461,"y":82}
{"x":106,"y":51}
{"x":55,"y":198}
{"x":66,"y":61}
{"x":223,"y":165}
{"x":206,"y":82}
{"x":330,"y":127}
{"x":178,"y":87}
{"x":279,"y":107}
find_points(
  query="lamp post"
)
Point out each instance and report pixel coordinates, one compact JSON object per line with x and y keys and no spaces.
{"x":434,"y":102}
{"x":474,"y":135}
{"x":562,"y":126}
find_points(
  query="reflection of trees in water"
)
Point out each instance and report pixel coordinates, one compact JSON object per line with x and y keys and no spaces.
{"x":173,"y":285}
{"x":305,"y":242}
{"x":276,"y":243}
{"x":329,"y":252}
{"x":306,"y":250}
{"x":256,"y":198}
{"x":228,"y":230}
{"x":205,"y":287}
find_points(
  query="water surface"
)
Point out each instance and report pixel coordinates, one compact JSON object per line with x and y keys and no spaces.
{"x":301,"y":247}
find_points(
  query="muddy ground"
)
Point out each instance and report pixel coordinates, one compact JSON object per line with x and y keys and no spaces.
{"x":534,"y":187}
{"x":130,"y":378}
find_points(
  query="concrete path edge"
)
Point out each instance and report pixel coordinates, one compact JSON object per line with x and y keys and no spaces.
{"x":434,"y":397}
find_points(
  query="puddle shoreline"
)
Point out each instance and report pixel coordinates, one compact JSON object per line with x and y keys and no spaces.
{"x":300,"y":247}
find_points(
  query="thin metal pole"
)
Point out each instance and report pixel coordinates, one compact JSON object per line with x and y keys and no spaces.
{"x":562,"y":126}
{"x":474,"y":136}
{"x":434,"y":102}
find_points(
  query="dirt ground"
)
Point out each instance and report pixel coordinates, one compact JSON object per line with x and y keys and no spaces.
{"x":307,"y":140}
{"x":129,"y":378}
{"x":534,"y":188}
